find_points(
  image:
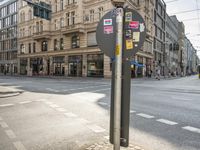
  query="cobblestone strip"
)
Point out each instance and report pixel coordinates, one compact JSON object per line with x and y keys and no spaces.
{"x":105,"y":145}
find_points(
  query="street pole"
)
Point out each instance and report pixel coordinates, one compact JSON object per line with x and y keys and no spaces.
{"x":118,"y":78}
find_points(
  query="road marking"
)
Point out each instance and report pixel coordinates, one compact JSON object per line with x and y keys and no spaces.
{"x":71,"y":115}
{"x":6,"y":105}
{"x":25,"y":102}
{"x":10,"y":134}
{"x":52,"y":90}
{"x":101,"y":90}
{"x":132,"y":111}
{"x":167,"y":122}
{"x":192,"y":129}
{"x":3,"y":125}
{"x":1,"y":119}
{"x":95,"y":128}
{"x":61,"y":109}
{"x":145,"y":116}
{"x":84,"y":88}
{"x":84,"y":121}
{"x":54,"y":106}
{"x":102,"y":103}
{"x":181,"y":98}
{"x":19,"y":146}
{"x":49,"y":103}
{"x":41,"y":100}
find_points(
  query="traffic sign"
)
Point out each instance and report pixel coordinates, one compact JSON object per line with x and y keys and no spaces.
{"x":134,"y":33}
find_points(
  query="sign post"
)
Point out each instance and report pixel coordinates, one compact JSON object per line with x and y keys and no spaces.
{"x":118,"y":77}
{"x":120,"y":34}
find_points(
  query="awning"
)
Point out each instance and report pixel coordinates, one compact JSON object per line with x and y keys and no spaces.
{"x":137,"y":64}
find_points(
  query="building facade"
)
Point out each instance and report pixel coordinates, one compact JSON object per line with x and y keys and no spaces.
{"x":66,"y":45}
{"x":8,"y":37}
{"x":159,"y":35}
{"x":171,"y":48}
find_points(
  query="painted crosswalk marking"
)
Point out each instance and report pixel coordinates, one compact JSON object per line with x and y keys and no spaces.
{"x":167,"y":122}
{"x":6,"y":105}
{"x":192,"y":129}
{"x":145,"y":116}
{"x":10,"y":134}
{"x":95,"y":128}
{"x":3,"y":125}
{"x":19,"y":146}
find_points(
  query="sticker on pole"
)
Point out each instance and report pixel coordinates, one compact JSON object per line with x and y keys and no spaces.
{"x":107,"y":22}
{"x":134,"y":24}
{"x":108,"y":29}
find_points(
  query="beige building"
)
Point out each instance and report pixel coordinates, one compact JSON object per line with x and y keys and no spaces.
{"x":66,"y":45}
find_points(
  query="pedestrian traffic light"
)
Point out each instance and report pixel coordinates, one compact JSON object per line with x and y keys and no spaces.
{"x":41,"y":9}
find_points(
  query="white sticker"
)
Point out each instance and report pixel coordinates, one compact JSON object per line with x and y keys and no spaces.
{"x":107,"y":22}
{"x":142,"y":27}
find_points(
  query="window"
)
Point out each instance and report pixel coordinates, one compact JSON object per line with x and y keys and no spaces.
{"x":73,"y":17}
{"x":91,"y":39}
{"x":29,"y":47}
{"x":55,"y":6}
{"x":37,"y":27}
{"x":61,"y":22}
{"x":61,"y":5}
{"x":44,"y":46}
{"x":55,"y":44}
{"x":34,"y":47}
{"x":41,"y":26}
{"x":68,"y":17}
{"x":55,"y":24}
{"x":91,"y":15}
{"x":30,"y":15}
{"x":61,"y":44}
{"x":29,"y":32}
{"x":22,"y":48}
{"x":100,"y":12}
{"x":75,"y":41}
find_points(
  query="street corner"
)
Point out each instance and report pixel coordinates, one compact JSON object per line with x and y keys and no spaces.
{"x":9,"y":92}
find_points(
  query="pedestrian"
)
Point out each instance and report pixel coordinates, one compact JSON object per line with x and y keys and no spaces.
{"x":158,"y":74}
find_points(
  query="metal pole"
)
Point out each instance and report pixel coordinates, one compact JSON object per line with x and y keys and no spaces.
{"x":118,"y":77}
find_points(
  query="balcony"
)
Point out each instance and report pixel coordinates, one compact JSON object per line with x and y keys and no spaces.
{"x":41,"y":35}
{"x":75,"y":28}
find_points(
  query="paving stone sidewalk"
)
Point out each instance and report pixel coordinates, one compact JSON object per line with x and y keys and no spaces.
{"x":105,"y":145}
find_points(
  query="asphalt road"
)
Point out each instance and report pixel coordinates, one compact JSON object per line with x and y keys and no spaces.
{"x":60,"y":113}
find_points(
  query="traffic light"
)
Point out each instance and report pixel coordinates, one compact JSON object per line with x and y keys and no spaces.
{"x":41,"y":9}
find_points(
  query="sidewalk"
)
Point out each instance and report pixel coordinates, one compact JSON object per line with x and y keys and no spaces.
{"x":6,"y":91}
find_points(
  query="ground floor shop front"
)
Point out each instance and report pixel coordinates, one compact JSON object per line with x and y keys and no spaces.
{"x":8,"y":67}
{"x":86,"y":65}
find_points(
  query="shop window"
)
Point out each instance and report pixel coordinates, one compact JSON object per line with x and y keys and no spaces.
{"x":75,"y":41}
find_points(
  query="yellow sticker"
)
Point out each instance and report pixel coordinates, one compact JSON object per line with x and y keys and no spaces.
{"x":117,"y":49}
{"x":129,"y":44}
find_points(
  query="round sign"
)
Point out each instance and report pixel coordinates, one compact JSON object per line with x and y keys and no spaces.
{"x":134,"y":33}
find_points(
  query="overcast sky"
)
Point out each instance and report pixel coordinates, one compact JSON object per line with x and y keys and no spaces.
{"x":190,"y":19}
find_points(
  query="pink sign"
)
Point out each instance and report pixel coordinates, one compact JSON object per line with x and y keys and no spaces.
{"x":108,"y":29}
{"x":134,"y":24}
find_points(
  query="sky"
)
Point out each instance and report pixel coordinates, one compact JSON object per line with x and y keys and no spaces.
{"x":191,"y":19}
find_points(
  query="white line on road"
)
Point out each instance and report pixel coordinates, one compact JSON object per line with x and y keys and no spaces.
{"x":181,"y":98}
{"x":25,"y":102}
{"x":61,"y":109}
{"x":19,"y":146}
{"x":167,"y":122}
{"x":145,"y":116}
{"x":1,"y":119}
{"x":84,"y":88}
{"x":48,"y":103}
{"x":10,"y":134}
{"x":132,"y":111}
{"x":71,"y":115}
{"x":192,"y":129}
{"x":102,"y":103}
{"x":6,"y":105}
{"x":107,"y":89}
{"x":54,"y":106}
{"x":3,"y":125}
{"x":84,"y":121}
{"x":40,"y":100}
{"x":52,"y":90}
{"x":95,"y":128}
